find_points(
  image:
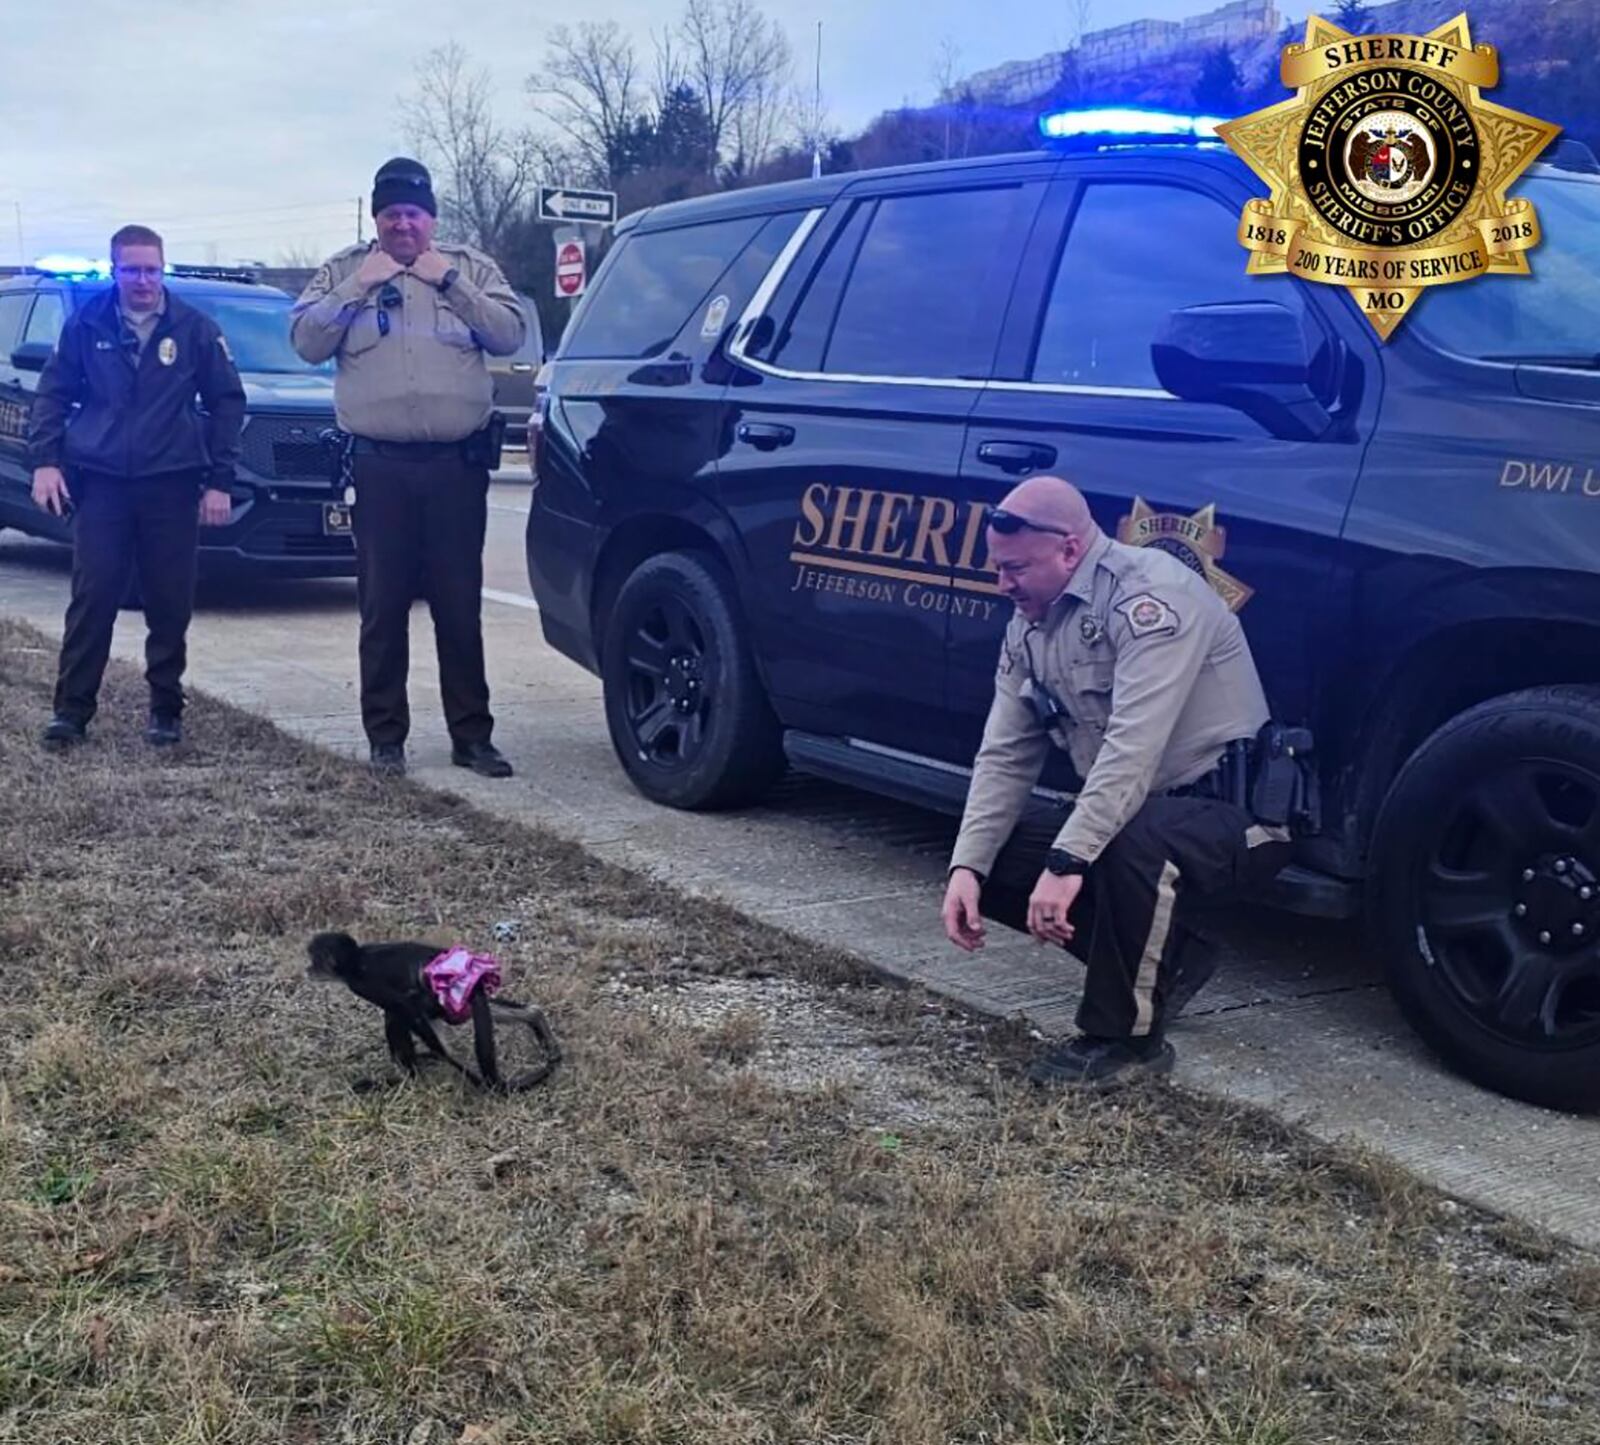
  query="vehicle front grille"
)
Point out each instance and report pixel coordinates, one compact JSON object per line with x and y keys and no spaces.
{"x":286,"y":448}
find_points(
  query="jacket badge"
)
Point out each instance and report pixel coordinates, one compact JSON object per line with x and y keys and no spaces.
{"x":167,"y":351}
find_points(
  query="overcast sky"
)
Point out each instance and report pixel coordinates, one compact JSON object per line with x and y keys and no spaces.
{"x":252,"y":126}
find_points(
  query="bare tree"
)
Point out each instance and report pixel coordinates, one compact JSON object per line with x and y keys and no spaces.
{"x":1078,"y":12}
{"x":946,"y":70}
{"x":301,"y":256}
{"x":483,"y":173}
{"x":591,"y":88}
{"x":946,"y":74}
{"x":814,"y":128}
{"x":739,"y":62}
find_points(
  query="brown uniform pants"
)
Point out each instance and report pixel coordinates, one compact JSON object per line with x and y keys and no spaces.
{"x":420,"y":518}
{"x":1141,"y":920}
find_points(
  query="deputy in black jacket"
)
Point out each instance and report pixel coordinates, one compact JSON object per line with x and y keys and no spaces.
{"x":146,"y":470}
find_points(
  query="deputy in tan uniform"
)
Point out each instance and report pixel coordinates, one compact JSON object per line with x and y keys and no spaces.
{"x":1131,"y":663}
{"x":409,"y":322}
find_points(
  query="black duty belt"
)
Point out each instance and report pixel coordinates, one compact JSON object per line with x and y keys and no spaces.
{"x":413,"y":451}
{"x":1229,"y":781}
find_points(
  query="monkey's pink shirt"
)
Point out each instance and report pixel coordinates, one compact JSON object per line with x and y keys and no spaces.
{"x":454,"y":975}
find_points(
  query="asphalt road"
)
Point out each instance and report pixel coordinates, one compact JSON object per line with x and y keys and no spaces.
{"x":1297,"y":1021}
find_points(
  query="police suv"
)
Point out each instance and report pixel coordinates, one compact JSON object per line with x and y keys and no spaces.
{"x":776,"y":419}
{"x":286,"y":519}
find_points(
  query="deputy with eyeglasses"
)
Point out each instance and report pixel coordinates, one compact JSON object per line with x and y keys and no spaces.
{"x":118,"y":440}
{"x":1131,"y":663}
{"x":409,"y":322}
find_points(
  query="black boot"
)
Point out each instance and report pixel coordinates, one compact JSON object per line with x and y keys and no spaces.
{"x":61,"y":733}
{"x":164,"y":730}
{"x":1093,"y":1064}
{"x":483,"y":758}
{"x":388,"y":760}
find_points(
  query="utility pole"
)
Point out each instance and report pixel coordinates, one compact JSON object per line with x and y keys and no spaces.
{"x":816,"y":113}
{"x":361,"y":221}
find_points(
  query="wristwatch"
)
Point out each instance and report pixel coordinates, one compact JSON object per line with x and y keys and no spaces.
{"x":448,"y":280}
{"x":1064,"y":864}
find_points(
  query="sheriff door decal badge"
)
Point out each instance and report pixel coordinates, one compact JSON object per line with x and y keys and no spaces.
{"x":1388,"y":169}
{"x":1196,"y":541}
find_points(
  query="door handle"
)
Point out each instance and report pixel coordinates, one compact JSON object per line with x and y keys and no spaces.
{"x":765,"y":436}
{"x":1015,"y":457}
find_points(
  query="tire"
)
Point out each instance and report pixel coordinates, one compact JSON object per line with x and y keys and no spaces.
{"x":687,"y":713}
{"x":1485,"y":894}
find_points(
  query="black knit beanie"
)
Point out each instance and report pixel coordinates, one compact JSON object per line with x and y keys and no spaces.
{"x":403,"y":182}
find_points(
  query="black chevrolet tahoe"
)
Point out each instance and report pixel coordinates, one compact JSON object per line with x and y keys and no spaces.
{"x":773,"y":425}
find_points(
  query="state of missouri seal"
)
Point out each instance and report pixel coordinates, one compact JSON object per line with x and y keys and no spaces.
{"x":1388,"y":169}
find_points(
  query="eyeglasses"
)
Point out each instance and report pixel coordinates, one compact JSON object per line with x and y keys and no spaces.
{"x":139,"y":273}
{"x":388,"y":298}
{"x":1009,"y":523}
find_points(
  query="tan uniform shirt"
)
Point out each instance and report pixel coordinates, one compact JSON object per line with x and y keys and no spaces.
{"x":1156,"y":677}
{"x":144,"y":325}
{"x":425,"y":381}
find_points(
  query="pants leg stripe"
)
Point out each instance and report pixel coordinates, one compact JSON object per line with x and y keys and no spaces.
{"x":1155,"y":946}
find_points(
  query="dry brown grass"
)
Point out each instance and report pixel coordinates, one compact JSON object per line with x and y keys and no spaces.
{"x":766,"y":1200}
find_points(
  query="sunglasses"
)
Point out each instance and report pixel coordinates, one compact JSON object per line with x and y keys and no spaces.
{"x":1009,"y":523}
{"x":388,"y":299}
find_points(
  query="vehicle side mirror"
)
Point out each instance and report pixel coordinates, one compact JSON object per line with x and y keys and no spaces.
{"x":1258,"y":357}
{"x":31,"y":355}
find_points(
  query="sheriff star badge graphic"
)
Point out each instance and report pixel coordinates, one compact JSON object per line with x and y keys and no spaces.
{"x":1388,"y":169}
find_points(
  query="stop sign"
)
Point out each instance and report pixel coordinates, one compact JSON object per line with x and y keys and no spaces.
{"x":570,"y":268}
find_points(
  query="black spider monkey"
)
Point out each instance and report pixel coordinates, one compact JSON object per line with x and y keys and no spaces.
{"x":390,"y":975}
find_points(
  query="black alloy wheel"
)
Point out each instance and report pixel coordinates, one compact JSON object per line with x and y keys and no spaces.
{"x":1486,"y":893}
{"x":668,"y":704}
{"x":688,"y":716}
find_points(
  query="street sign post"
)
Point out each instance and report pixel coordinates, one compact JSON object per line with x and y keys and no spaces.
{"x":572,"y":267}
{"x":563,"y":203}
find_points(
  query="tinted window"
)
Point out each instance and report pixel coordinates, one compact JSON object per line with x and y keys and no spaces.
{"x":799,"y":344}
{"x":1549,"y":313}
{"x":653,"y":285}
{"x":44,"y":324}
{"x":13,"y":307}
{"x":257,"y":328}
{"x":928,"y":287}
{"x":1134,"y":253}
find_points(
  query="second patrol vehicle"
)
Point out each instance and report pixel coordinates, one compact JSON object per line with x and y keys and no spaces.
{"x":775,"y":421}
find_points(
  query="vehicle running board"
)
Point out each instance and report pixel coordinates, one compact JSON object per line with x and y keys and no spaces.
{"x":942,"y":788}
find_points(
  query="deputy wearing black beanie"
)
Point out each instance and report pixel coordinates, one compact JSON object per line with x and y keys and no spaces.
{"x":409,"y":322}
{"x":403,"y":181}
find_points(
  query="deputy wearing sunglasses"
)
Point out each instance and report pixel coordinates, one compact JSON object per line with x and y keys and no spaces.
{"x":409,"y":323}
{"x":1131,"y":663}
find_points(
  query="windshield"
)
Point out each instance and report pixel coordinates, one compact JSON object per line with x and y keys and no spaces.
{"x":1550,"y":313}
{"x":257,"y":328}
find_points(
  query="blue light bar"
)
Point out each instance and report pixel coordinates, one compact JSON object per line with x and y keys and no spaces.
{"x":1126,"y":122}
{"x":61,"y":265}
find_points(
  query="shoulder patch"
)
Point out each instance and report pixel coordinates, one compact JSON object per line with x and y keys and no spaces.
{"x":1148,"y":615}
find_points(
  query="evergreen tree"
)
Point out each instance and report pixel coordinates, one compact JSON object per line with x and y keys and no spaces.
{"x":1217,"y":92}
{"x":1352,"y":15}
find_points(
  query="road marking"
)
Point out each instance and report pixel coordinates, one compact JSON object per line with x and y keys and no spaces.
{"x":511,"y":599}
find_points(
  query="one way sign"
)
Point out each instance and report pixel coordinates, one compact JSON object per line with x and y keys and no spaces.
{"x":562,"y":203}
